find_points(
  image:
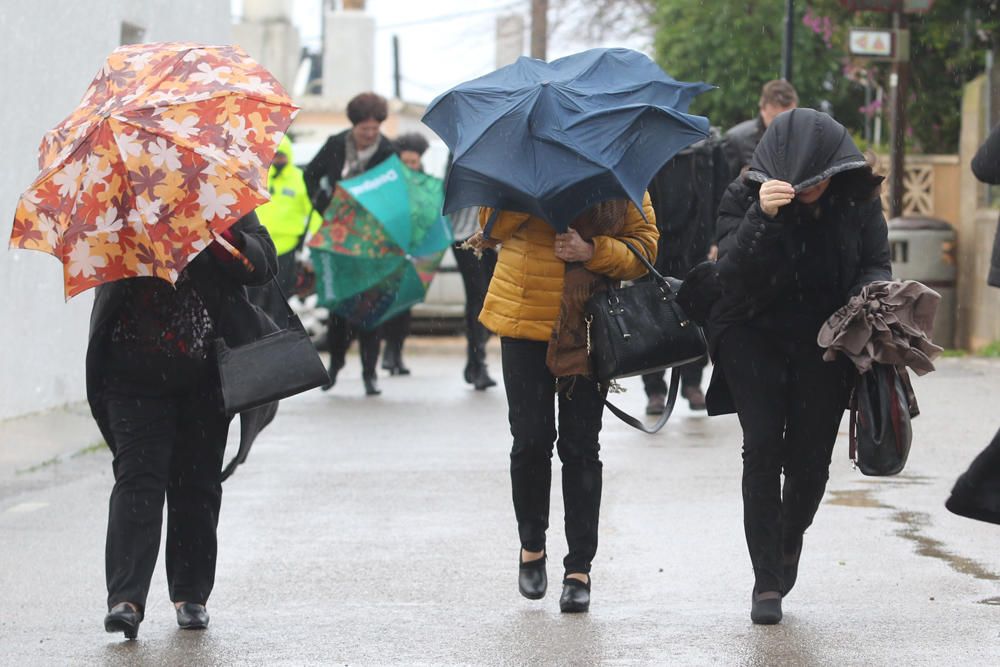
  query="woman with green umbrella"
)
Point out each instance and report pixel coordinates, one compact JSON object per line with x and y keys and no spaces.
{"x":344,"y":155}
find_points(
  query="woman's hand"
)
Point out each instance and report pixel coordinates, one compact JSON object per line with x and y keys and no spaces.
{"x":773,"y":195}
{"x":570,"y":247}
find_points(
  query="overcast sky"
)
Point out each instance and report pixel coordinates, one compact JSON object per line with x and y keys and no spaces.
{"x":444,"y":42}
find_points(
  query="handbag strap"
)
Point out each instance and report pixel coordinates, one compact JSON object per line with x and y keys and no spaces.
{"x":657,"y":276}
{"x":668,"y":409}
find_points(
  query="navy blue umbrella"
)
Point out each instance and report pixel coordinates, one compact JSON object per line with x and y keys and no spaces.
{"x":553,"y":139}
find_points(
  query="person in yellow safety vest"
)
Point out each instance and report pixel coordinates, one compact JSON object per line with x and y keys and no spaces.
{"x":284,"y":217}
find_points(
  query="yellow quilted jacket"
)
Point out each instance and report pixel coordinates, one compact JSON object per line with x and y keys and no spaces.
{"x":524,"y":296}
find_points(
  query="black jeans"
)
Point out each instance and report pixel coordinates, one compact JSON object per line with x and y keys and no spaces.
{"x":169,"y":441}
{"x":531,"y":405}
{"x":790,"y":403}
{"x":394,"y":333}
{"x":339,"y":335}
{"x":476,"y":276}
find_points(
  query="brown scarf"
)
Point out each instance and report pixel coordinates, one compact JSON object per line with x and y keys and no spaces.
{"x":567,"y":354}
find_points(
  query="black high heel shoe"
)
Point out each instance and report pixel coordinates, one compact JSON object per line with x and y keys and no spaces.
{"x":123,"y":617}
{"x":532,"y":580}
{"x":575,"y":598}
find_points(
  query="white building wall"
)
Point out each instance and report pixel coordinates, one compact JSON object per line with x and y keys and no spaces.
{"x":50,"y":52}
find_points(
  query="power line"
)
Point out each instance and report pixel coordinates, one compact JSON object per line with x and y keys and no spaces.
{"x":451,"y":17}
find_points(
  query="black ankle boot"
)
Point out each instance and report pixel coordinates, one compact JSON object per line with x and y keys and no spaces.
{"x":575,"y":598}
{"x":371,"y":386}
{"x":790,"y":563}
{"x":765,"y":607}
{"x":532,"y":579}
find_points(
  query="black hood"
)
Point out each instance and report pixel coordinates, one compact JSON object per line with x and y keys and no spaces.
{"x":804,"y":147}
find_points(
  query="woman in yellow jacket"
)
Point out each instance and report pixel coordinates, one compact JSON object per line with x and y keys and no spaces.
{"x":522,"y":307}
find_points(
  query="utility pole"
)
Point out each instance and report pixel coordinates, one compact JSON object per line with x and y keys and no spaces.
{"x":397,"y":77}
{"x":539,"y":28}
{"x":898,"y":81}
{"x":788,"y":43}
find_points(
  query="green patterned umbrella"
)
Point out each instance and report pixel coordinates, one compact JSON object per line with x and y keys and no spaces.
{"x":382,"y":239}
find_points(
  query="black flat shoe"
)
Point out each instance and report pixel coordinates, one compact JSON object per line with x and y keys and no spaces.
{"x":575,"y":598}
{"x":481,"y":380}
{"x":371,"y":387}
{"x":123,"y":618}
{"x":765,"y":608}
{"x":332,"y":372}
{"x":191,"y":616}
{"x":532,"y":580}
{"x":790,"y":567}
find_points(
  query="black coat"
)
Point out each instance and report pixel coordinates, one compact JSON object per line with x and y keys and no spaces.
{"x":685,"y":194}
{"x":222,"y":287}
{"x":329,"y":162}
{"x":756,"y":261}
{"x":986,"y":167}
{"x":739,"y":143}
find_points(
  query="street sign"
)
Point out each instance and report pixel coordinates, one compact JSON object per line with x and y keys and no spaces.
{"x":906,"y":6}
{"x":865,"y":42}
{"x":879,"y":44}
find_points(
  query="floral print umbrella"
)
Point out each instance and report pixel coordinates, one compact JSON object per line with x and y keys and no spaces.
{"x":380,"y":244}
{"x":169,"y":146}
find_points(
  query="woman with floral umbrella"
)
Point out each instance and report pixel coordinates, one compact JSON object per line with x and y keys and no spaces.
{"x":147,"y":192}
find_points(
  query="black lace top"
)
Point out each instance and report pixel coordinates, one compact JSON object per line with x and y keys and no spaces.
{"x":158,"y":320}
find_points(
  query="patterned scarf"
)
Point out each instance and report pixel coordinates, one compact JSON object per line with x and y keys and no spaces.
{"x":567,"y":354}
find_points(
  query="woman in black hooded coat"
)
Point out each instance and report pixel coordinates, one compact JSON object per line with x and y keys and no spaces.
{"x":800,"y":233}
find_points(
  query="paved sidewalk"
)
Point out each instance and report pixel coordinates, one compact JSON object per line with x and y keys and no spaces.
{"x":375,"y":531}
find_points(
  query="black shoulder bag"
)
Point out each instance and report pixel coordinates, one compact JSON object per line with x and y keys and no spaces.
{"x":275,"y":366}
{"x":880,"y":431}
{"x":639,"y":329}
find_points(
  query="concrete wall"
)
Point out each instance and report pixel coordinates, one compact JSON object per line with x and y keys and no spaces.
{"x":49,"y":53}
{"x":978,"y":304}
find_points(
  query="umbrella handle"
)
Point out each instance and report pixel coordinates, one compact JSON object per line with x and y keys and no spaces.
{"x":234,"y":251}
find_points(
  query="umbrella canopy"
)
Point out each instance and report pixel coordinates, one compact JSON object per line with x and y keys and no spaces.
{"x":553,"y":139}
{"x":169,"y":146}
{"x":380,"y":244}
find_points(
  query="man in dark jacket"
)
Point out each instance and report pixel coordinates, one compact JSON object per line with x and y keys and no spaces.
{"x":776,"y":97}
{"x":346,"y":155}
{"x":977,"y":492}
{"x":685,"y":194}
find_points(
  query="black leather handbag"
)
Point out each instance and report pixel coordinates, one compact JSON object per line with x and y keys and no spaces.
{"x":639,"y":329}
{"x":880,"y":430}
{"x":277,"y":365}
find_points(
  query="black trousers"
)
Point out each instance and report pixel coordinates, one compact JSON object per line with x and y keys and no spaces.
{"x":691,"y":375}
{"x":340,"y":333}
{"x":790,"y":403}
{"x":169,"y":442}
{"x":394,"y":333}
{"x":269,"y":299}
{"x":476,"y":276}
{"x":531,"y":399}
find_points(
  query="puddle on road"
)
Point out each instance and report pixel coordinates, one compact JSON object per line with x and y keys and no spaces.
{"x":855,"y":498}
{"x":913,"y":523}
{"x":928,"y":546}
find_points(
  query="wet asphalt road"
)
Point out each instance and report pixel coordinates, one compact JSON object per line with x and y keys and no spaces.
{"x":379,"y":531}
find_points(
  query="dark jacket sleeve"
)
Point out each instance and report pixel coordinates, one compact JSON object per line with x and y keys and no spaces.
{"x":986,"y":163}
{"x":750,"y":243}
{"x":876,"y":259}
{"x":256,"y":244}
{"x":319,"y":167}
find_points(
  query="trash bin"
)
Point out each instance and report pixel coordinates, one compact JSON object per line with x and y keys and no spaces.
{"x":923,"y":249}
